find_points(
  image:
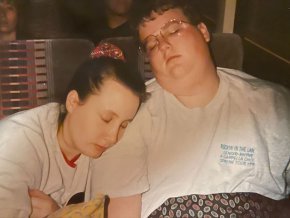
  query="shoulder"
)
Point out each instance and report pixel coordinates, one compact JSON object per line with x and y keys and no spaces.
{"x":155,"y":91}
{"x":267,"y":101}
{"x":148,"y":109}
{"x":152,"y":85}
{"x":154,"y":99}
{"x":30,"y":125}
{"x":253,"y":87}
{"x":26,"y":136}
{"x":32,"y":115}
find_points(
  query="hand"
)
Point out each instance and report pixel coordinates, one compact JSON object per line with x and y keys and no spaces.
{"x":42,"y":204}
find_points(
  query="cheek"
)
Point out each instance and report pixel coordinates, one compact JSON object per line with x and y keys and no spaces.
{"x":83,"y":124}
{"x":92,"y":128}
{"x":157,"y":64}
{"x":12,"y":18}
{"x":195,"y":46}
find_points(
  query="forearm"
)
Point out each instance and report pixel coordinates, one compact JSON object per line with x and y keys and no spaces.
{"x":129,"y":207}
{"x":14,"y":198}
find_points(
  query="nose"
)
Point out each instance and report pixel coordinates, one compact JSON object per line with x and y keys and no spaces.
{"x":112,"y":135}
{"x":163,"y":42}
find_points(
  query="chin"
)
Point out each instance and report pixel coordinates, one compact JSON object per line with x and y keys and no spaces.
{"x":178,"y":72}
{"x":95,"y":156}
{"x":92,"y":154}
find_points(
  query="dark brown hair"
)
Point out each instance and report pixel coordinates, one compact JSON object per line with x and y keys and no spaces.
{"x":142,"y":10}
{"x":90,"y":75}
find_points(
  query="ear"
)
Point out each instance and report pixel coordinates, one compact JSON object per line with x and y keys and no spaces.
{"x":203,"y":29}
{"x":72,"y":101}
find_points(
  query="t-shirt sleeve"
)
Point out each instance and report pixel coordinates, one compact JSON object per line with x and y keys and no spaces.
{"x":283,"y":117}
{"x":287,"y":170}
{"x":19,"y":164}
{"x":287,"y":177}
{"x":281,"y":134}
{"x":122,"y":170}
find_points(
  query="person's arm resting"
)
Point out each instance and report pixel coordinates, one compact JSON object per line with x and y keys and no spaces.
{"x":129,"y":207}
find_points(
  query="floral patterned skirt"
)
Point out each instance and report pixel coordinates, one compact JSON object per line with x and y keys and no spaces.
{"x":223,"y":206}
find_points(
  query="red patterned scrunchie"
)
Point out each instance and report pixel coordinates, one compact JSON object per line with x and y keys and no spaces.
{"x":108,"y":50}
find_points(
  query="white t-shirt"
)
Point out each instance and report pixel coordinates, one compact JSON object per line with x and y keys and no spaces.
{"x":239,"y":142}
{"x":30,"y":158}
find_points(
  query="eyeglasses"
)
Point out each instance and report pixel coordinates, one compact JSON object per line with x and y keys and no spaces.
{"x":169,"y":30}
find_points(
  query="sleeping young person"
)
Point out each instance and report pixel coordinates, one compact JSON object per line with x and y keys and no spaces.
{"x":216,"y":140}
{"x":45,"y":152}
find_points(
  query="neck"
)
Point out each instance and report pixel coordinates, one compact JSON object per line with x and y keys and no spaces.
{"x":201,"y":95}
{"x":197,"y":90}
{"x":65,"y":142}
{"x":114,"y":20}
{"x":8,"y":36}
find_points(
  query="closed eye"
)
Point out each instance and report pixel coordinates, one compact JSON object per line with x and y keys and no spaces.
{"x":173,"y":30}
{"x":106,"y":120}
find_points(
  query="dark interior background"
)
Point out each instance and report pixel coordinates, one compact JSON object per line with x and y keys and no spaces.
{"x":264,"y":26}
